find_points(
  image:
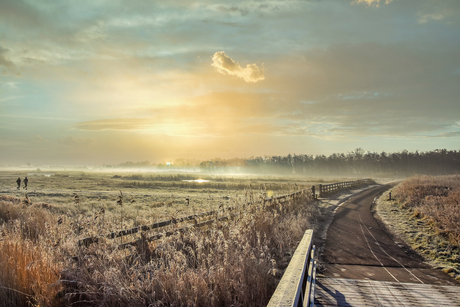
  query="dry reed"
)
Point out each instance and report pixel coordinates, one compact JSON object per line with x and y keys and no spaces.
{"x":235,"y":262}
{"x":436,"y":198}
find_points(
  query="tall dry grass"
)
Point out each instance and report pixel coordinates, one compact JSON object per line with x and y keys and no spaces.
{"x":204,"y":185}
{"x":28,"y":268}
{"x":232,"y":263}
{"x":436,"y":198}
{"x":235,"y":262}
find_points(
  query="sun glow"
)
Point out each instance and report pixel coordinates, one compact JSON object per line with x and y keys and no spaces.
{"x":197,"y":180}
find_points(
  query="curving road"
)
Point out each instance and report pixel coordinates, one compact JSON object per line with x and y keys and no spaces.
{"x":357,"y":247}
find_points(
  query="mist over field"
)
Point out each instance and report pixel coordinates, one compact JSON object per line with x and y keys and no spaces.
{"x":357,"y":163}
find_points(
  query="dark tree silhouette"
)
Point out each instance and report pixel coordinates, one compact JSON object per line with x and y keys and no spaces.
{"x":357,"y":163}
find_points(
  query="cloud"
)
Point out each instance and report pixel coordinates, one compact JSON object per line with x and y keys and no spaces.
{"x":9,"y":65}
{"x":427,"y":17}
{"x":371,"y":2}
{"x":250,"y":8}
{"x":224,"y":64}
{"x":217,"y":113}
{"x":145,"y":73}
{"x":115,"y":124}
{"x":449,"y":134}
{"x":347,"y":89}
{"x":447,"y":12}
{"x":232,"y":9}
{"x":92,"y":32}
{"x":368,"y":89}
{"x":222,"y":23}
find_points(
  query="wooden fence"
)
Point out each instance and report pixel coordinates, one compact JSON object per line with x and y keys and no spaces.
{"x":327,"y":189}
{"x":196,"y":220}
{"x":297,"y":286}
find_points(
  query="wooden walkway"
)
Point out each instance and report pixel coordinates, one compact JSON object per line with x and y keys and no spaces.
{"x":354,"y":292}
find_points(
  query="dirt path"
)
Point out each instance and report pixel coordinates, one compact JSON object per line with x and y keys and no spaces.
{"x":357,"y":247}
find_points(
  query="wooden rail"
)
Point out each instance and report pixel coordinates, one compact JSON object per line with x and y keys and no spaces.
{"x":297,"y":286}
{"x":122,"y":233}
{"x":326,"y":189}
{"x":322,"y":190}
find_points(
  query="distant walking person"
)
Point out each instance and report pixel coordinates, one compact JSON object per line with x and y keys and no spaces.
{"x":19,"y":182}
{"x":26,"y":181}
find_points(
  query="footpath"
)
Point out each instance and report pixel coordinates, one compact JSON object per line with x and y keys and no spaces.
{"x":361,"y":265}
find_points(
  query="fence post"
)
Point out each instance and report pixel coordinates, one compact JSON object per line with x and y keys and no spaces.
{"x":320,"y":191}
{"x":313,"y":192}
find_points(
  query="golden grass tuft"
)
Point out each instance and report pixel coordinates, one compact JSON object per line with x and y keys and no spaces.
{"x":436,"y":198}
{"x":28,"y":270}
{"x":429,"y":219}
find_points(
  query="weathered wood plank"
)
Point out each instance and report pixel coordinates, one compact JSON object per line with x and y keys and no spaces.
{"x":289,"y":290}
{"x":309,"y":283}
{"x":352,"y":292}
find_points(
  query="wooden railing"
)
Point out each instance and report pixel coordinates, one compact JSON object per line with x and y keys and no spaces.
{"x":297,"y":286}
{"x":327,"y":189}
{"x":196,"y":220}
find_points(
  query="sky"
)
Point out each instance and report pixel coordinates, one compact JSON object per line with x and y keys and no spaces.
{"x":109,"y":81}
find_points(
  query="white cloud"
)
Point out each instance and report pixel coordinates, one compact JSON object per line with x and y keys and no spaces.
{"x":93,"y":32}
{"x":446,"y":12}
{"x":224,"y":64}
{"x":427,"y":17}
{"x":370,"y":2}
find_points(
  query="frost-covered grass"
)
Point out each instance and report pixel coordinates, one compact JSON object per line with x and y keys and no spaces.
{"x":425,"y":212}
{"x":235,"y":262}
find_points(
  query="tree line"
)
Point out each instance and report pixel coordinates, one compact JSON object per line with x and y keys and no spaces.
{"x":357,"y":162}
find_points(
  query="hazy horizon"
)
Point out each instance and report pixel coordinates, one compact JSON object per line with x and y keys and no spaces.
{"x":91,"y":83}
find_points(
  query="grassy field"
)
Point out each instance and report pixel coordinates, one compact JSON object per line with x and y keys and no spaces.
{"x":425,"y":212}
{"x":236,"y":262}
{"x":148,"y":197}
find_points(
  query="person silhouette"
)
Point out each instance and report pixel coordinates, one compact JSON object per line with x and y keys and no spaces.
{"x":25,"y":183}
{"x":19,"y":182}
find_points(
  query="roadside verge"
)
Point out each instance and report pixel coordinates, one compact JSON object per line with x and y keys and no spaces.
{"x":408,"y":227}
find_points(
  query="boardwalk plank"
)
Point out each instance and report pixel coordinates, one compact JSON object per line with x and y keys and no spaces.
{"x":353,"y":292}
